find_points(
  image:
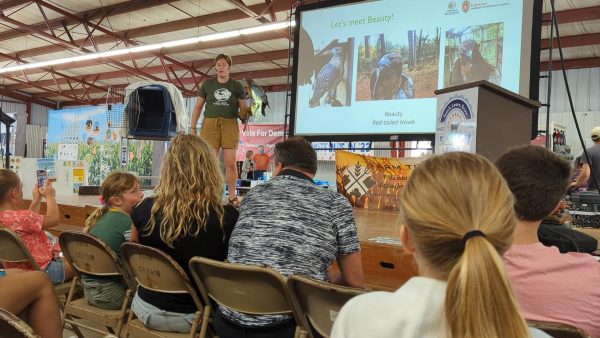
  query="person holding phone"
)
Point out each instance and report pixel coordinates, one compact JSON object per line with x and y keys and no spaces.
{"x":31,"y":226}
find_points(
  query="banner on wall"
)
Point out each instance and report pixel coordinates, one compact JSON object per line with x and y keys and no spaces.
{"x":372,"y":182}
{"x":87,"y":134}
{"x":326,"y":150}
{"x":257,"y":134}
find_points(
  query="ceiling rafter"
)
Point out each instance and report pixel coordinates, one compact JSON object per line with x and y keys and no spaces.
{"x":259,"y":74}
{"x":572,"y":64}
{"x":271,"y":88}
{"x":118,"y":37}
{"x":63,"y":77}
{"x":69,"y":46}
{"x":205,"y":63}
{"x":194,"y":22}
{"x":573,"y":15}
{"x":122,"y":8}
{"x":573,"y":41}
{"x":24,"y":97}
{"x":13,"y":3}
{"x":270,"y":9}
{"x":239,"y":4}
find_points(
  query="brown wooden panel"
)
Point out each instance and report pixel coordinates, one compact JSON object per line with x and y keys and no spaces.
{"x":57,"y":230}
{"x":71,"y":215}
{"x":89,"y":209}
{"x":386,"y":266}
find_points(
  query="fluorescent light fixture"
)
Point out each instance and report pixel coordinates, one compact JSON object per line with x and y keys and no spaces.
{"x":154,"y":46}
{"x":219,"y":36}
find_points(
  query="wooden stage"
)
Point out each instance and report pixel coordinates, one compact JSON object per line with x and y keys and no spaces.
{"x":385,"y":265}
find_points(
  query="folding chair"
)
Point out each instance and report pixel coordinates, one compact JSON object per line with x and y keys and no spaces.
{"x":12,"y":250}
{"x":90,"y":256}
{"x":156,"y":271}
{"x":317,"y":302}
{"x":248,"y":289}
{"x":558,"y":330}
{"x":12,"y":326}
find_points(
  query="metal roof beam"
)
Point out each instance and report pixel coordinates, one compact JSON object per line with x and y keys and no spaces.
{"x":259,"y":74}
{"x":26,"y":98}
{"x":124,"y":7}
{"x":573,"y":15}
{"x":573,"y":41}
{"x":202,"y":64}
{"x":195,"y":22}
{"x":573,"y":64}
{"x":239,"y":4}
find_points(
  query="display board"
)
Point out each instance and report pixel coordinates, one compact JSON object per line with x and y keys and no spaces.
{"x":366,"y":70}
{"x":86,"y":134}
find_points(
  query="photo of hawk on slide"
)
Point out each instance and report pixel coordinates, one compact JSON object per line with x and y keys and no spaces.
{"x":473,"y":53}
{"x":401,"y":65}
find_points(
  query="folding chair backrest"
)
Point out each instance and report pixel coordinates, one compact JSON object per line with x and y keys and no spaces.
{"x":156,"y":271}
{"x":12,"y":326}
{"x":12,"y":249}
{"x":90,"y":255}
{"x":558,"y":330}
{"x":245,"y":288}
{"x":318,"y":302}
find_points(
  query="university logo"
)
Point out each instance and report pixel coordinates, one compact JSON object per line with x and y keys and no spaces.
{"x":222,"y":94}
{"x":466,"y":5}
{"x":357,"y":180}
{"x":456,"y":111}
{"x":452,"y":8}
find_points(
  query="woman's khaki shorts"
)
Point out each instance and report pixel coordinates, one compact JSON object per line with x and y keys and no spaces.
{"x":220,"y":132}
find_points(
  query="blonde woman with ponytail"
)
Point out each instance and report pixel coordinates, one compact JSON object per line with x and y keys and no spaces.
{"x":457,"y":220}
{"x":119,"y":193}
{"x":184,"y":219}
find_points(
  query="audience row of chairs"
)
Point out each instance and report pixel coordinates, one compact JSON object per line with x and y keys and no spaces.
{"x":249,"y":289}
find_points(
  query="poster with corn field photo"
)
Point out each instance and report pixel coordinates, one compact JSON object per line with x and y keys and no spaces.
{"x":99,"y":142}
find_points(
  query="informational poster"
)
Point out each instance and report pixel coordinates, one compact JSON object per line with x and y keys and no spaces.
{"x":372,"y":182}
{"x":89,"y":134}
{"x":68,"y":152}
{"x":15,"y":163}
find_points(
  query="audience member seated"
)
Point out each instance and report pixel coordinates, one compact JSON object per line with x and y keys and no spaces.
{"x":31,"y":296}
{"x":31,"y":226}
{"x":119,"y":193}
{"x":290,"y":224}
{"x":550,"y":286}
{"x":457,"y":219}
{"x":184,"y":219}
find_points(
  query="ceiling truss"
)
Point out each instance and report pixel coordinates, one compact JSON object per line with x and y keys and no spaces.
{"x":77,"y":33}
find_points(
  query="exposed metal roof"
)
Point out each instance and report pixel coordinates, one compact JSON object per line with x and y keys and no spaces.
{"x":39,"y":30}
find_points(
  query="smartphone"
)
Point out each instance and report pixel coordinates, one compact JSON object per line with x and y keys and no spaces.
{"x":42,"y":177}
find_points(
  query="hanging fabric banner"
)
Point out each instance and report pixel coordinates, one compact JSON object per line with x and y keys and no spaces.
{"x":372,"y":182}
{"x":257,"y":134}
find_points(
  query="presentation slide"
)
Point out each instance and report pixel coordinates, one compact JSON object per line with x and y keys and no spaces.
{"x":370,"y":68}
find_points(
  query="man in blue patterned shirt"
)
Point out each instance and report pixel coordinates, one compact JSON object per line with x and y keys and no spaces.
{"x":295,"y":227}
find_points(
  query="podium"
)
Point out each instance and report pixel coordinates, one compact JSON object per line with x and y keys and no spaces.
{"x":483,"y":118}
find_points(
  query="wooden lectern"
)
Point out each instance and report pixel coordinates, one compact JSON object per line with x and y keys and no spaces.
{"x":483,"y":118}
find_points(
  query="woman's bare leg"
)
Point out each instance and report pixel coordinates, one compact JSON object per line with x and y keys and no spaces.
{"x":32,"y":290}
